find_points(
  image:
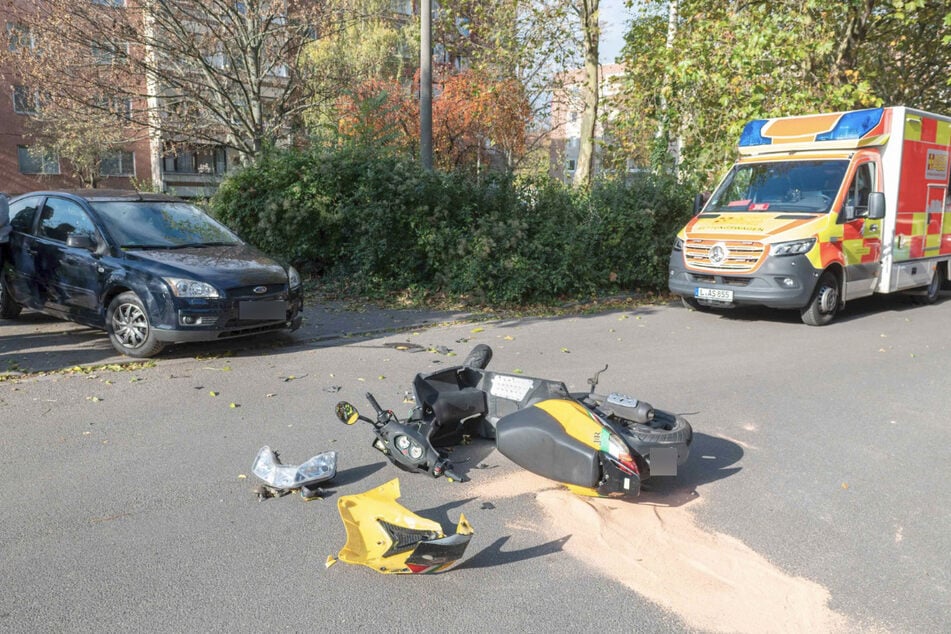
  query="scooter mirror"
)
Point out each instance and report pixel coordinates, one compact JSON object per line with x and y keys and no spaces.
{"x":347,"y":413}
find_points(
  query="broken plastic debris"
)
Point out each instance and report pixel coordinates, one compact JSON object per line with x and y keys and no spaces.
{"x":387,"y":537}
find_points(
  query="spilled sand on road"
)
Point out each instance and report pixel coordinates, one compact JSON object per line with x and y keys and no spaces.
{"x":712,"y":581}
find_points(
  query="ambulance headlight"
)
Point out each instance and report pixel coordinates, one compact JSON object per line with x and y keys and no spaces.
{"x":794,"y":247}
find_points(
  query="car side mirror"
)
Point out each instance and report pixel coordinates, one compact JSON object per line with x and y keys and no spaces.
{"x":81,"y":241}
{"x":876,"y":205}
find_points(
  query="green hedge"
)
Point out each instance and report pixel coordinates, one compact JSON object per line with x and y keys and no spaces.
{"x":383,"y":224}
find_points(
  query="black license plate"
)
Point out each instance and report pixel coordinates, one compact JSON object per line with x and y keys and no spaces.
{"x":262,"y":310}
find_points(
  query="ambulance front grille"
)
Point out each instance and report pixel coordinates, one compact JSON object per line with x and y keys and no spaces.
{"x":733,"y":255}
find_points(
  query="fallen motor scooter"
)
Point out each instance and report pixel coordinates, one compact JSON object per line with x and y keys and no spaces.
{"x":596,"y":445}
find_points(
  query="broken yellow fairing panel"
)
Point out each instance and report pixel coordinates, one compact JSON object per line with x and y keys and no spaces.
{"x":384,"y":535}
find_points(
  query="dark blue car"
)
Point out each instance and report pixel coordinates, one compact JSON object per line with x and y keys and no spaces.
{"x":149,"y":269}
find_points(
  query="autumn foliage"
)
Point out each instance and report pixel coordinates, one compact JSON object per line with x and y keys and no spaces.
{"x":478,"y":121}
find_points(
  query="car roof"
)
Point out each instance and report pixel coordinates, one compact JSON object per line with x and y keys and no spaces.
{"x":106,"y":195}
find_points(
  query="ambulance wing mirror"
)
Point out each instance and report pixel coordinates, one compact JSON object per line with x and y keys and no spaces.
{"x":876,"y":206}
{"x":699,"y":201}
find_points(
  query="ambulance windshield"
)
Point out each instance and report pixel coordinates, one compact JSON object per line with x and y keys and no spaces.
{"x":796,"y":186}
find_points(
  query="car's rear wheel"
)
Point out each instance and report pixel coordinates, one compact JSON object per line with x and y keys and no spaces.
{"x":130,"y":331}
{"x":9,"y":309}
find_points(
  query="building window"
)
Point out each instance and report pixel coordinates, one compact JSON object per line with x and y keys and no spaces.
{"x":279,"y":70}
{"x":119,"y":106}
{"x":30,"y":163}
{"x":19,"y":36}
{"x":119,"y":163}
{"x":402,"y":7}
{"x":571,"y":165}
{"x":25,"y":101}
{"x":108,"y":54}
{"x":198,"y":161}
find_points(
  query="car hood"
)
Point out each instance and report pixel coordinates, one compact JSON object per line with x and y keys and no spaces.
{"x":222,"y":266}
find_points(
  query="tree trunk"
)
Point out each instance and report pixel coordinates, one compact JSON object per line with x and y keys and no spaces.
{"x":584,"y":170}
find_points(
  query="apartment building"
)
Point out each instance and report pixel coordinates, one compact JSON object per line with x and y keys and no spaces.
{"x":567,"y":109}
{"x":147,"y":160}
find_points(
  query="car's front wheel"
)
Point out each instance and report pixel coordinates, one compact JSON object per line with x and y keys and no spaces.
{"x":129,"y":328}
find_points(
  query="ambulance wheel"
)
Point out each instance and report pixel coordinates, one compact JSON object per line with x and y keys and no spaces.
{"x":824,"y":303}
{"x":933,"y":290}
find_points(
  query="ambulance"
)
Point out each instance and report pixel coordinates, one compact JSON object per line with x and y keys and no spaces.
{"x":822,"y":209}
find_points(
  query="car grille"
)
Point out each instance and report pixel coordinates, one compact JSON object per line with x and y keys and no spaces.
{"x":274,"y":291}
{"x":741,"y":255}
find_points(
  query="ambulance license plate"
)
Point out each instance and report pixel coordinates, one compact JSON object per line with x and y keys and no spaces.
{"x":713,"y":294}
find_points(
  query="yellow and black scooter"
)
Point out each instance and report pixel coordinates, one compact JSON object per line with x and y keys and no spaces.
{"x":596,"y":445}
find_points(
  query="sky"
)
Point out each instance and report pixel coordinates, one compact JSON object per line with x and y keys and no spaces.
{"x":614,"y":18}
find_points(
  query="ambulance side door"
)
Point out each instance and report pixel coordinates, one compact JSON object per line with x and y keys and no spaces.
{"x":862,"y":236}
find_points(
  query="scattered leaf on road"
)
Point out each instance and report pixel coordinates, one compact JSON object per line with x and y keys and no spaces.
{"x":213,"y":393}
{"x":234,"y":406}
{"x":479,"y":329}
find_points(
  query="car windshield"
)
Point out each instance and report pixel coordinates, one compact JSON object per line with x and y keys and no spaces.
{"x":161,"y":225}
{"x":797,"y":186}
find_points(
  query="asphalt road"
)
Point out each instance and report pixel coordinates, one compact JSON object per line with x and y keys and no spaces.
{"x":816,"y":497}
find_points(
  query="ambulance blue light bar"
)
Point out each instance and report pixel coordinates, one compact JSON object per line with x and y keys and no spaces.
{"x":753,"y":134}
{"x":853,"y":125}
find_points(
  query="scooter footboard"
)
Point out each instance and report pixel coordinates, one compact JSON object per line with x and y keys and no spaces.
{"x":534,"y":440}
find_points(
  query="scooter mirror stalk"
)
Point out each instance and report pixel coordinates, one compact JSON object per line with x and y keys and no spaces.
{"x":347,"y":413}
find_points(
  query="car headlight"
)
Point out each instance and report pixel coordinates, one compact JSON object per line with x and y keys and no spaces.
{"x":794,"y":247}
{"x":678,"y":244}
{"x":182,"y":287}
{"x":293,"y":277}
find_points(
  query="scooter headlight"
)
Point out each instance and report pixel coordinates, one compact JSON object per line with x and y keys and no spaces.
{"x":268,"y":467}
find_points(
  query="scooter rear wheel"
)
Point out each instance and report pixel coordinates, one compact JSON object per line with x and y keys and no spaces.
{"x":665,"y":429}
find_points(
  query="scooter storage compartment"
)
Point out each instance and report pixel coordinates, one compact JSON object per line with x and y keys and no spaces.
{"x":534,"y":440}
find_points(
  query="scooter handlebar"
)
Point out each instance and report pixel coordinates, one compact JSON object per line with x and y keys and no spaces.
{"x":376,"y":406}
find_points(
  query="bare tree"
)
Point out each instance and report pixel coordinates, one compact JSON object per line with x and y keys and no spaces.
{"x":214,"y":72}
